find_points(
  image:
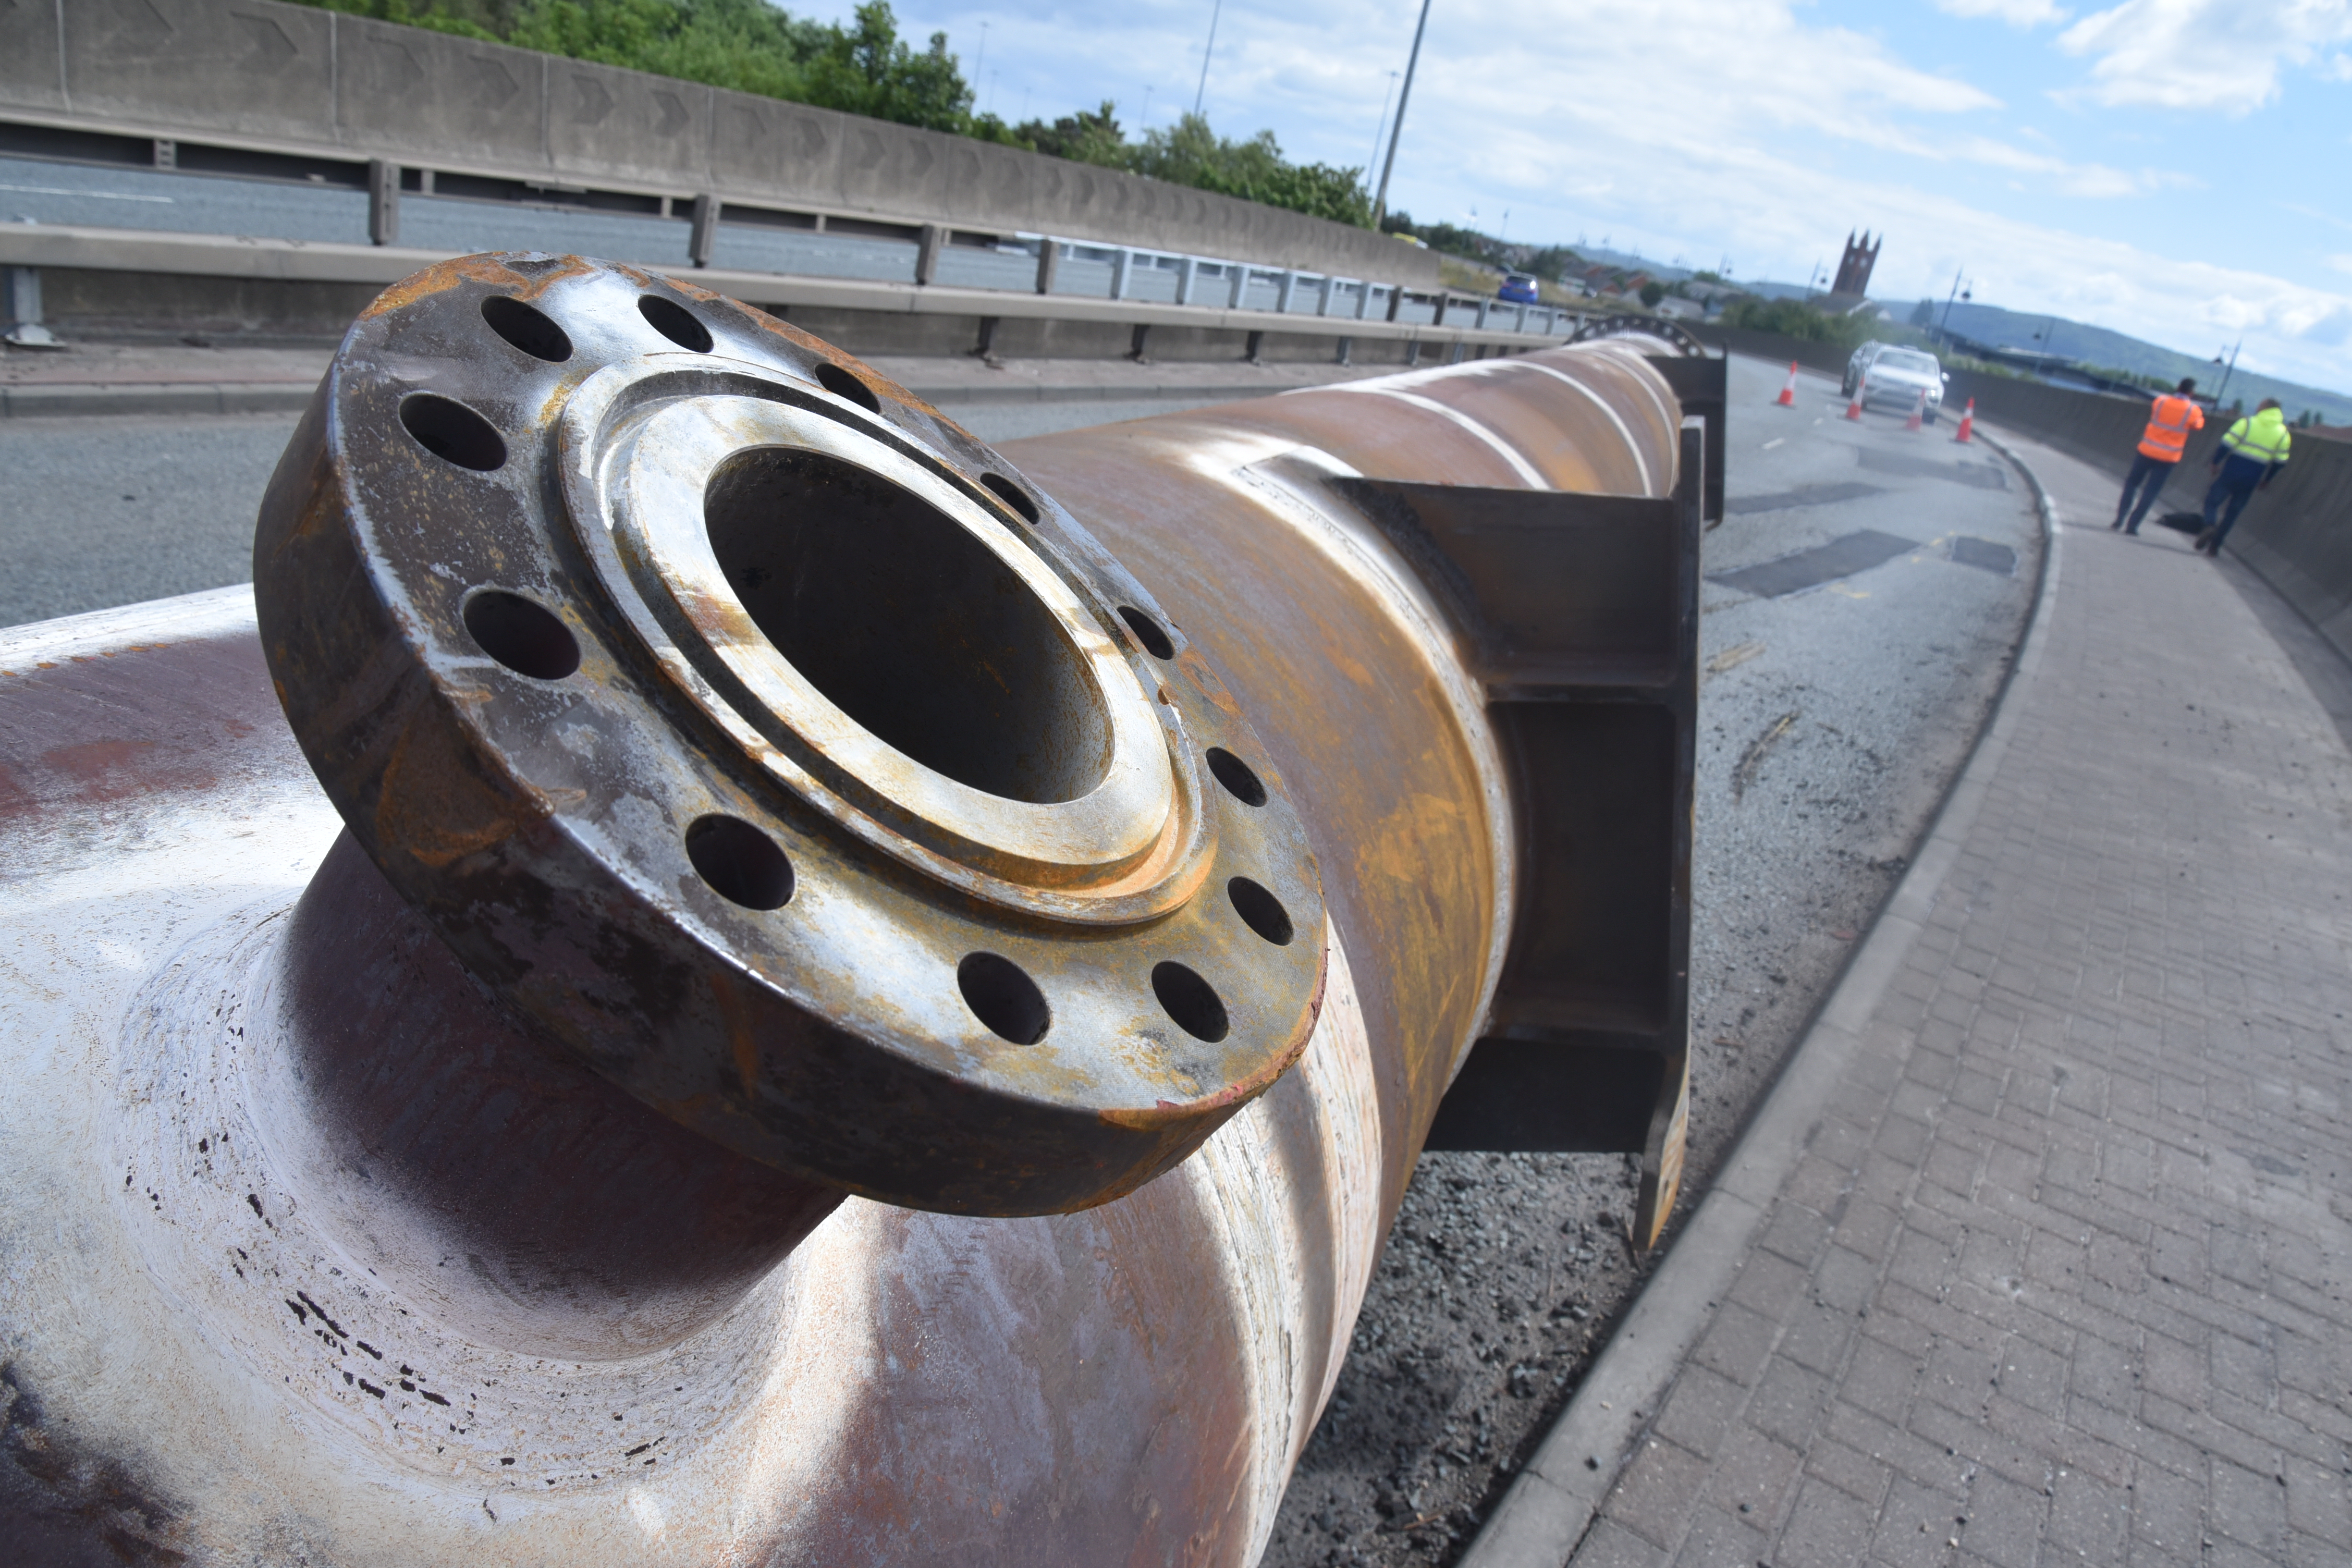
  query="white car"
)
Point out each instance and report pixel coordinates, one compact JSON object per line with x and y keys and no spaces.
{"x":1893,"y":377}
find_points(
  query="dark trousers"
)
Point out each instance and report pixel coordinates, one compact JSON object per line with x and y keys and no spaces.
{"x":2150,"y":472}
{"x":2235,"y":493}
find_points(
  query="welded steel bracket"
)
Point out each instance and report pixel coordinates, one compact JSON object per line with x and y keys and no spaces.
{"x":1580,"y":614}
{"x":1700,"y":383}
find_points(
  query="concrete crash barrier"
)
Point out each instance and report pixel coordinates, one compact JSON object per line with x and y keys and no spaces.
{"x":291,"y":79}
{"x":706,"y":970}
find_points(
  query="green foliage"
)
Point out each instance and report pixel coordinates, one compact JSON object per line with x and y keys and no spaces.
{"x":866,"y":68}
{"x":746,"y":45}
{"x":1923,"y":314}
{"x":1449,"y":239}
{"x":1089,"y":136}
{"x":1190,"y":153}
{"x":1652,"y":292}
{"x":1552,"y":262}
{"x":1706,"y":274}
{"x":1795,"y":319}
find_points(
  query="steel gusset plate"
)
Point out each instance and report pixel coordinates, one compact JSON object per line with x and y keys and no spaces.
{"x":747,"y":725}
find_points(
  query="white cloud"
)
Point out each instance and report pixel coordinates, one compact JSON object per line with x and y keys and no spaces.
{"x":2341,"y":263}
{"x":2330,"y":331}
{"x":1706,"y":128}
{"x":2221,"y":54}
{"x":2093,"y":180}
{"x":2016,"y":13}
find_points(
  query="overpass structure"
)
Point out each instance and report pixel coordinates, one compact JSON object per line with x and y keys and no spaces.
{"x":243,"y":166}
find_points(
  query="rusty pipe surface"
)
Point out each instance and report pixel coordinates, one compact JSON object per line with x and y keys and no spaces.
{"x":431,"y":1140}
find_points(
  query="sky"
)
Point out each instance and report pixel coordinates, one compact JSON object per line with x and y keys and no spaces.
{"x":2180,"y":170}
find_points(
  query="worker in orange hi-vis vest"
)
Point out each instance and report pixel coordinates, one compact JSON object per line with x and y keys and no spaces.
{"x":2169,"y":421}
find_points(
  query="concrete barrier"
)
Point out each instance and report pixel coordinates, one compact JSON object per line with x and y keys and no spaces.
{"x":134,"y":285}
{"x":2297,"y":534}
{"x":290,"y":79}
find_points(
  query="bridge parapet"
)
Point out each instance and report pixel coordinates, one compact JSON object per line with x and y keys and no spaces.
{"x":262,"y":77}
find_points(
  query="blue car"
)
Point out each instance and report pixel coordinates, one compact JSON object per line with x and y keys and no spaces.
{"x":1517,"y":287}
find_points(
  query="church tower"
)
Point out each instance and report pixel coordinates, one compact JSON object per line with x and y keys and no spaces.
{"x":1854,"y":270}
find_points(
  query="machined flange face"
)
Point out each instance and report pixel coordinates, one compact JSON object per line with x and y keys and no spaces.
{"x":750,"y":726}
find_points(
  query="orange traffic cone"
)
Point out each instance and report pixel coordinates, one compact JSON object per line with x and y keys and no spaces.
{"x":1854,"y":410}
{"x":1787,"y":398}
{"x":1918,"y":412}
{"x":1967,"y":422}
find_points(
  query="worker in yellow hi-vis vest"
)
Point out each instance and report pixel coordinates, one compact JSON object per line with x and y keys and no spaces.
{"x":2169,"y":421}
{"x":2249,"y":456}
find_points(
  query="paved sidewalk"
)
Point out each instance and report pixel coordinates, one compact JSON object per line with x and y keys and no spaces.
{"x":2057,"y":1271}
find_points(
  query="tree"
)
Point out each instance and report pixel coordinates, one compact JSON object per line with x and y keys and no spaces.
{"x":1085,"y":137}
{"x":1923,"y":314}
{"x":865,"y":67}
{"x":1652,"y":292}
{"x":1190,"y":153}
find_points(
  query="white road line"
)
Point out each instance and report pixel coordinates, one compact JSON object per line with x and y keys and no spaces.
{"x":96,"y":196}
{"x":1776,"y":441}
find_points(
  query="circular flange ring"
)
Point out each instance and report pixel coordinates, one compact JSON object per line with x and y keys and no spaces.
{"x":751,"y":727}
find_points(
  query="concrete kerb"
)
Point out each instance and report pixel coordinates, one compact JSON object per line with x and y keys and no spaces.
{"x":1543,"y":1518}
{"x":40,"y":402}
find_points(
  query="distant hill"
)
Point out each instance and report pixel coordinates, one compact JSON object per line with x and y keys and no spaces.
{"x":2113,"y":351}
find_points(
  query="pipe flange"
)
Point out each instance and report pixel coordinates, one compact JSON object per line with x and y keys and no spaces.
{"x":749,"y":725}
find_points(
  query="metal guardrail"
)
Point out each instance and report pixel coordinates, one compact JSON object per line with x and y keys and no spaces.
{"x":702,"y":230}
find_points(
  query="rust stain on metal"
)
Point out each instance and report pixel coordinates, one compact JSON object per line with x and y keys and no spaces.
{"x":654,"y":933}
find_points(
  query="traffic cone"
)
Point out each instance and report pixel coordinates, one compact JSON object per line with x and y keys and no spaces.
{"x":1787,"y":398}
{"x":1918,"y":412}
{"x":1967,"y":422}
{"x":1854,"y":410}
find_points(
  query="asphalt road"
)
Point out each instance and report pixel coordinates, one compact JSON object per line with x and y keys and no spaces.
{"x":98,"y":511}
{"x":1830,"y":716}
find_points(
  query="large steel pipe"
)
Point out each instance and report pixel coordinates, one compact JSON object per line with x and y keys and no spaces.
{"x":724,"y":974}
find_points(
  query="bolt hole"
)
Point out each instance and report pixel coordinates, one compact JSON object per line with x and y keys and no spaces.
{"x":1192,"y":1001}
{"x":526,"y":637}
{"x":1012,"y":495}
{"x":843,"y":383}
{"x":674,"y":321}
{"x":526,"y":328}
{"x":741,"y":864}
{"x":1001,"y":995}
{"x":453,"y":432}
{"x":1235,"y":775}
{"x":1260,"y":910}
{"x":1147,"y":632}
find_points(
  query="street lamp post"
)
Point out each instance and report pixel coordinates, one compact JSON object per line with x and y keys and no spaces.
{"x":1215,"y":12}
{"x":1380,"y":201}
{"x":1943,"y":328}
{"x":2227,"y":373}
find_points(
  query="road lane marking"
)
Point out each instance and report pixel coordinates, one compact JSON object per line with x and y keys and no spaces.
{"x":1745,"y":773}
{"x":1732,"y":656}
{"x":97,"y":196}
{"x":1776,"y":441}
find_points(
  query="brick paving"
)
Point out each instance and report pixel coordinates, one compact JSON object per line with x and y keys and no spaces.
{"x":2061,"y":1274}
